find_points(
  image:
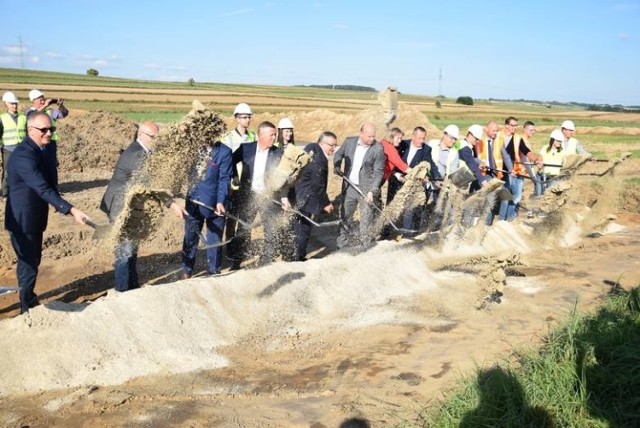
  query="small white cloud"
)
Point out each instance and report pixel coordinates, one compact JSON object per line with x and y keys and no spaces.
{"x":100,"y":63}
{"x":7,"y":60}
{"x":151,"y":66}
{"x":35,"y":59}
{"x":177,"y":68}
{"x":237,"y":12}
{"x":13,"y":50}
{"x":87,"y":57}
{"x":341,"y":27}
{"x":53,"y":55}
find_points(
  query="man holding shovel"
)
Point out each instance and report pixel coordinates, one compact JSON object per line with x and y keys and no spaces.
{"x":113,"y":201}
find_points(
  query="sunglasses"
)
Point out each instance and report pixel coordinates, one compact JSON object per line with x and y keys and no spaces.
{"x":45,"y":130}
{"x":152,"y":136}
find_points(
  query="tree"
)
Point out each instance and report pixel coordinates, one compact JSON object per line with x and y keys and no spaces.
{"x":191,"y":82}
{"x":467,"y":101}
{"x":92,"y":72}
{"x":438,"y":104}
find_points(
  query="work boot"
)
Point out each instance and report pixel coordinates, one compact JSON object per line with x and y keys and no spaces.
{"x":185,"y":275}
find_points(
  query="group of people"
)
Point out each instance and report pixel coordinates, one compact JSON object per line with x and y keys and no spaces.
{"x":232,"y":190}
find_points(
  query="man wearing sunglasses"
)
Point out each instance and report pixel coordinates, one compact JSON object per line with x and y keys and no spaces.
{"x":33,"y":186}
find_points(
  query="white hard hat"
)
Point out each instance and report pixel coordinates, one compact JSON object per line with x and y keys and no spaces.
{"x":35,"y":94}
{"x":242,"y":108}
{"x":557,"y":134}
{"x":476,"y":131}
{"x":452,"y":130}
{"x":285,"y":123}
{"x":568,"y":124}
{"x":9,"y":97}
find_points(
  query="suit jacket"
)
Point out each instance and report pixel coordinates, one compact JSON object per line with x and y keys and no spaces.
{"x":32,"y":183}
{"x":246,"y":154}
{"x":129,"y":162}
{"x":372,"y":170}
{"x":310,"y":191}
{"x":213,"y":188}
{"x":423,"y":154}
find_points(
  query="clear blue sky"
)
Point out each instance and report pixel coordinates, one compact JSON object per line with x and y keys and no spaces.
{"x":586,"y":51}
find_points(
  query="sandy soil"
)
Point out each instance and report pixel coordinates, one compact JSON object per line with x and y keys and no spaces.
{"x":375,"y":335}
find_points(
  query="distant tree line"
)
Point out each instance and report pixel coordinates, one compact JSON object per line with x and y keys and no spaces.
{"x":616,"y":108}
{"x":342,"y":87}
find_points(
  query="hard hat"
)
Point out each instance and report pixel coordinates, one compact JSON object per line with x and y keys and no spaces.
{"x":557,"y":134}
{"x":35,"y":94}
{"x":285,"y":123}
{"x":9,"y":97}
{"x":452,"y":131}
{"x":242,"y":108}
{"x":476,"y":131}
{"x":568,"y":124}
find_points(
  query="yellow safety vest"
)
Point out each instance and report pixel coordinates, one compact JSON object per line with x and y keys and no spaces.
{"x":435,"y":155}
{"x":570,"y":147}
{"x":14,"y":130}
{"x":553,"y":157}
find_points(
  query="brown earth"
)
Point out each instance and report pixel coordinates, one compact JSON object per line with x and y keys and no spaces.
{"x":375,"y":335}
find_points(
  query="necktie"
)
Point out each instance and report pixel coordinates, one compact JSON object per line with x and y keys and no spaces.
{"x":492,"y":162}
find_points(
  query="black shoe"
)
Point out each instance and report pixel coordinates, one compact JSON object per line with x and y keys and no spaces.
{"x":235,"y":265}
{"x":213,"y":273}
{"x":185,"y":275}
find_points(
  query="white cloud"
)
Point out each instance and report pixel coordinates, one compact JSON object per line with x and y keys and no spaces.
{"x":177,"y":68}
{"x":53,"y":55}
{"x":13,"y":50}
{"x":237,"y":12}
{"x":35,"y":59}
{"x":100,"y":63}
{"x":151,"y":66}
{"x":7,"y":60}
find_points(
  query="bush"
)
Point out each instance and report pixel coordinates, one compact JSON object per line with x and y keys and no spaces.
{"x":438,"y":104}
{"x":92,"y":72}
{"x":467,"y":101}
{"x":191,"y":82}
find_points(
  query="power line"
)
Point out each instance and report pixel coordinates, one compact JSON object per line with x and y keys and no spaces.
{"x":21,"y":51}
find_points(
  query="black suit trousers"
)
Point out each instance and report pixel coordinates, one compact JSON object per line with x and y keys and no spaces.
{"x":28,"y":248}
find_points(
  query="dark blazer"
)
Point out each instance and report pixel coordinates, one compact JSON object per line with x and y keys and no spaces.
{"x":372,"y":170}
{"x":129,"y":162}
{"x":423,"y":154}
{"x":310,"y":191}
{"x":32,"y":183}
{"x":213,"y":188}
{"x":246,"y":154}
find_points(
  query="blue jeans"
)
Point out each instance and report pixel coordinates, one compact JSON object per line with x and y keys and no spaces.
{"x":125,"y":266}
{"x":192,"y":227}
{"x":509,"y":209}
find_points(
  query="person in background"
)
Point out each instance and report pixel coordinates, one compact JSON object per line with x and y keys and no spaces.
{"x":309,"y":195}
{"x":13,"y":129}
{"x":113,"y":201}
{"x":32,"y":188}
{"x":393,"y":162}
{"x":552,"y":157}
{"x":285,"y":133}
{"x":570,"y":145}
{"x":362,"y":158}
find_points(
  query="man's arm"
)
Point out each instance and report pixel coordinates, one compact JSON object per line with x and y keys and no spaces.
{"x":224,"y":179}
{"x":337,"y":158}
{"x":466,"y":154}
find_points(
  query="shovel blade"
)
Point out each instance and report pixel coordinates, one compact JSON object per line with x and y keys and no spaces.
{"x":461,"y":178}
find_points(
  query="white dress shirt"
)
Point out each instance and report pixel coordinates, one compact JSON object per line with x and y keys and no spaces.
{"x":259,"y":168}
{"x":358,"y":160}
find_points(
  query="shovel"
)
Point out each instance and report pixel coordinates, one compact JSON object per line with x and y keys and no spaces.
{"x":461,"y":178}
{"x":7,"y":290}
{"x":362,"y":195}
{"x":226,"y":214}
{"x":100,"y":231}
{"x":306,"y":217}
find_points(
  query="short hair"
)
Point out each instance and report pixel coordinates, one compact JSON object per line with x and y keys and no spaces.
{"x":326,"y":134}
{"x":528,"y":123}
{"x":419,"y":128}
{"x":264,"y":125}
{"x":33,"y":117}
{"x":509,"y":119}
{"x":393,"y":132}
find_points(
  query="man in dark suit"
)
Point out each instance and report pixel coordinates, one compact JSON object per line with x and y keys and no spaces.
{"x":413,"y":152}
{"x":364,"y":160}
{"x":129,"y":162}
{"x":32,"y":184}
{"x":309,"y":195}
{"x":212,"y":190}
{"x":259,"y":160}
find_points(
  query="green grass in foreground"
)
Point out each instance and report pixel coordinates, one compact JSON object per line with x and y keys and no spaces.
{"x":586,"y":375}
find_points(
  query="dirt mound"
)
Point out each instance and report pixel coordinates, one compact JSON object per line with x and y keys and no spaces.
{"x":309,"y":125}
{"x":93,"y":141}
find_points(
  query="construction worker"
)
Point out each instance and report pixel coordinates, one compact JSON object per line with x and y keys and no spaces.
{"x":516,"y":153}
{"x":552,"y":157}
{"x":285,"y":133}
{"x":13,"y":128}
{"x":242,"y":115}
{"x":570,"y":145}
{"x":444,"y":155}
{"x":467,"y":158}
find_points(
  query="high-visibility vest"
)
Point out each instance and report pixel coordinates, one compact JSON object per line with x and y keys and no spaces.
{"x":518,"y":167}
{"x":14,"y":129}
{"x":552,"y":157}
{"x":459,"y":145}
{"x":233,"y":139}
{"x":570,"y":147}
{"x":436,"y":149}
{"x":498,"y":142}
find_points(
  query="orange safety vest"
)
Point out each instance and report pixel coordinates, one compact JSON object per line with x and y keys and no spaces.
{"x":518,"y":168}
{"x":497,"y":154}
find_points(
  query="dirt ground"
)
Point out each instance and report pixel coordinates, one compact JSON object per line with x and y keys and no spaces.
{"x":371,"y":336}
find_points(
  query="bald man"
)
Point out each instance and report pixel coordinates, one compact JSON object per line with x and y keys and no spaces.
{"x":129,"y":162}
{"x":361,"y":161}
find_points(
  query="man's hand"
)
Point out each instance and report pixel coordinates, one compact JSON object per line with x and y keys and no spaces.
{"x":220,"y":209}
{"x":79,"y":216}
{"x":177,"y":210}
{"x":338,"y":172}
{"x":286,"y":205}
{"x":328,"y":209}
{"x":369,"y":198}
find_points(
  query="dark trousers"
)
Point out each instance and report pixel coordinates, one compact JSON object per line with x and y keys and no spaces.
{"x":248,"y":206}
{"x":302,"y":229}
{"x":6,"y":154}
{"x":231,"y":226}
{"x":125,"y":266}
{"x":28,"y":249}
{"x":192,"y":227}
